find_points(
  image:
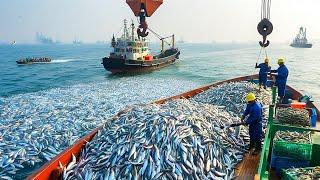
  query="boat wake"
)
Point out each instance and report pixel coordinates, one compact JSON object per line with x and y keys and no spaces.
{"x":63,"y":60}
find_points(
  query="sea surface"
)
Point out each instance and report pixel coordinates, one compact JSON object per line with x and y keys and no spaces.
{"x":199,"y":64}
{"x":76,"y":77}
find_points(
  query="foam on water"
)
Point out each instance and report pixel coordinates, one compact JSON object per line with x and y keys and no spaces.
{"x":63,"y":60}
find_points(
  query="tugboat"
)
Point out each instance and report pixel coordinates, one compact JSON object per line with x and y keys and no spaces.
{"x":301,"y":40}
{"x":131,"y":54}
{"x":34,"y":60}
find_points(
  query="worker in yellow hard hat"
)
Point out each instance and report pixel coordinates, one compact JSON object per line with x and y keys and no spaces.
{"x":281,"y":75}
{"x":254,"y":120}
{"x":263,"y":73}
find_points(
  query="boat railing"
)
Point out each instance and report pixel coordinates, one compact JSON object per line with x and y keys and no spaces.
{"x":272,"y":128}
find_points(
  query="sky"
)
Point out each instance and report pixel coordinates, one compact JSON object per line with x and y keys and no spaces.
{"x":190,"y":20}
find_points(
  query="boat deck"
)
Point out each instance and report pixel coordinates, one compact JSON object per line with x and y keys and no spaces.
{"x":248,"y":167}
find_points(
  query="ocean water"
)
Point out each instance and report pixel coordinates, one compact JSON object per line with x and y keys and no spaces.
{"x":75,"y":85}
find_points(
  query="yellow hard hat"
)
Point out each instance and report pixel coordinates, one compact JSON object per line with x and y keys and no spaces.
{"x":266,"y":60}
{"x":250,"y":97}
{"x":281,"y":61}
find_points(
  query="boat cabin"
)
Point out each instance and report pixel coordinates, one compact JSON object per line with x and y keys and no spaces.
{"x":130,"y":47}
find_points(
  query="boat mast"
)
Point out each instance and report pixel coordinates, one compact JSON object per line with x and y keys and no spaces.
{"x":173,"y":41}
{"x":132,"y":31}
{"x":305,"y":34}
{"x":125,"y":32}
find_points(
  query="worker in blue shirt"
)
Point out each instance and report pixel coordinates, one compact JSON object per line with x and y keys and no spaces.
{"x":254,"y":120}
{"x":281,"y":75}
{"x":263,"y":73}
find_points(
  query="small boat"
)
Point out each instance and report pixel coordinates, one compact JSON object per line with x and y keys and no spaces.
{"x":301,"y":40}
{"x":132,"y":54}
{"x":251,"y":167}
{"x":34,"y":60}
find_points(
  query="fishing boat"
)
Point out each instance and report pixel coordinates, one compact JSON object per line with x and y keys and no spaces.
{"x":251,"y":167}
{"x":34,"y":60}
{"x":132,"y":54}
{"x":301,"y":40}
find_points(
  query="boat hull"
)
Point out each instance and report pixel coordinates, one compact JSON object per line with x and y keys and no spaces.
{"x":301,"y":45}
{"x":65,"y":157}
{"x":120,"y":65}
{"x":32,"y":62}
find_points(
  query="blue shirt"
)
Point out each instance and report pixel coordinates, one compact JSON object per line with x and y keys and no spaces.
{"x":282,"y":76}
{"x":254,"y":111}
{"x":264,"y":69}
{"x":254,"y":120}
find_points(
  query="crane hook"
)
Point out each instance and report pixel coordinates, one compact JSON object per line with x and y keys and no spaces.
{"x":143,"y":27}
{"x":142,"y":30}
{"x":265,"y":28}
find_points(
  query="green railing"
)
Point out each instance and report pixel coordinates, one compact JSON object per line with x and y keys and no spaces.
{"x":263,"y":163}
{"x":272,"y":128}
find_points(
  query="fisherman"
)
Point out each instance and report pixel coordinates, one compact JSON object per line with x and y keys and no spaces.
{"x":254,"y":120}
{"x":263,"y":73}
{"x":281,"y":75}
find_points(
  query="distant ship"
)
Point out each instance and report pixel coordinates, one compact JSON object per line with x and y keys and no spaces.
{"x":181,"y":41}
{"x":76,"y":41}
{"x":41,"y":38}
{"x":34,"y":60}
{"x":132,"y":54}
{"x":301,"y":40}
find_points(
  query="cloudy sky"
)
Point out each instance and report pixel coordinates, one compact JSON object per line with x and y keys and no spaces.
{"x":192,"y":20}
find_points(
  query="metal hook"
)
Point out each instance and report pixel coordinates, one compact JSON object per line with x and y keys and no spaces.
{"x":142,"y":30}
{"x":265,"y":42}
{"x":143,"y":27}
{"x":265,"y":28}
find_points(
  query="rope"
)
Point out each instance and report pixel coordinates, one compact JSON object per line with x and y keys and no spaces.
{"x":265,"y":51}
{"x":259,"y":54}
{"x":158,"y":36}
{"x":153,"y":32}
{"x":119,"y":32}
{"x":254,"y":70}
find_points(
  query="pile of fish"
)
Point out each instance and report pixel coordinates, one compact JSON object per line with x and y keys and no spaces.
{"x":292,"y":144}
{"x":293,"y":136}
{"x":180,"y":139}
{"x":232,"y":96}
{"x":299,"y":117}
{"x":35,"y":127}
{"x":304,"y":173}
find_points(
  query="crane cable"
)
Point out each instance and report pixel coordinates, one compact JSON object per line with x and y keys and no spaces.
{"x":265,"y":9}
{"x":265,"y":14}
{"x":156,"y":34}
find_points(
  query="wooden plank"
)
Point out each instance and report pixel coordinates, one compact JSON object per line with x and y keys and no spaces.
{"x":248,"y":167}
